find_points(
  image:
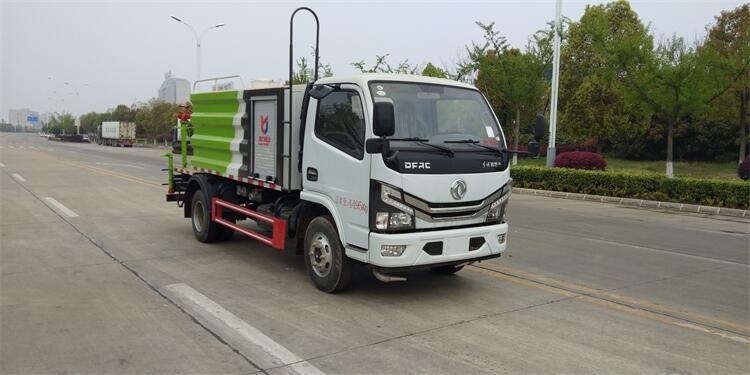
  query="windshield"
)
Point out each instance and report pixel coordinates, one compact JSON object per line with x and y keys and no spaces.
{"x":439,"y":113}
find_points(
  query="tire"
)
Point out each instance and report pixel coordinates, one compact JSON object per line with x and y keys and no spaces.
{"x":446,"y":270}
{"x":327,"y":264}
{"x":204,"y":229}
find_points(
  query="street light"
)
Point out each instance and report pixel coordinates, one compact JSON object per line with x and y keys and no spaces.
{"x":198,"y":38}
{"x":555,"y":87}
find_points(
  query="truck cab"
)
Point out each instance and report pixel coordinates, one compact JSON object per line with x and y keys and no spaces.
{"x":412,"y":170}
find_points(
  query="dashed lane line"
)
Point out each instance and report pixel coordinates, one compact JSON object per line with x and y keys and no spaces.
{"x":281,"y":355}
{"x":2,"y":165}
{"x":60,"y":207}
{"x":18,"y":177}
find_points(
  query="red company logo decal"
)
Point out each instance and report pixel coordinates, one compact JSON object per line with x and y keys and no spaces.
{"x":264,"y":139}
{"x":264,"y":124}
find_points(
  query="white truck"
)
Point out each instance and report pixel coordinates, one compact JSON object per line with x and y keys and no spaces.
{"x":116,"y":133}
{"x":395,"y":172}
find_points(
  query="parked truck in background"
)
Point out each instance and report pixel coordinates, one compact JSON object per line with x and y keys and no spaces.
{"x":393,"y":172}
{"x":116,"y":133}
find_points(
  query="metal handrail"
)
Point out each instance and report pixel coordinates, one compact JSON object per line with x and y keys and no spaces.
{"x":291,"y":76}
{"x":216,"y":79}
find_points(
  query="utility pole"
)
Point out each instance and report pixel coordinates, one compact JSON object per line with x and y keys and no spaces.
{"x":555,"y":86}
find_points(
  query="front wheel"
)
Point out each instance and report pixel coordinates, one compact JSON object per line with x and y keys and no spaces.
{"x":326,"y":262}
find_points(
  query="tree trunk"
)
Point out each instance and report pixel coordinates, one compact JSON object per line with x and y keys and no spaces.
{"x":516,"y":135}
{"x":670,"y":148}
{"x":743,"y":122}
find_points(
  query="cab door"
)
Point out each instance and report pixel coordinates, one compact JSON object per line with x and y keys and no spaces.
{"x":335,"y":164}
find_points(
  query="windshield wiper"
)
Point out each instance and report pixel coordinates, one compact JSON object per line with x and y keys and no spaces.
{"x":476,"y":143}
{"x":423,"y":142}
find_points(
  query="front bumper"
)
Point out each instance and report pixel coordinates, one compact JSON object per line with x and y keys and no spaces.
{"x":455,"y":246}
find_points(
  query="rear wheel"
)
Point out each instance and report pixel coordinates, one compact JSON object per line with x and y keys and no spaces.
{"x":326,"y":262}
{"x":446,"y":270}
{"x":204,"y":229}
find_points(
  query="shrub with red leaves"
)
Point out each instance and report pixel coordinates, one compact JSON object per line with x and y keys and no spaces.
{"x":743,"y":170}
{"x":580,"y":160}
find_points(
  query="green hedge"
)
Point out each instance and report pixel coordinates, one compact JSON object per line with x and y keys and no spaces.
{"x":731,"y":194}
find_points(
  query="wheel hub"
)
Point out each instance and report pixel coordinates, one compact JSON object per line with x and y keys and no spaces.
{"x":320,"y":255}
{"x":199,"y":218}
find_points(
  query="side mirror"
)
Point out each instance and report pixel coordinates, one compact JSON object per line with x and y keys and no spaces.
{"x":384,"y":120}
{"x":321,"y":91}
{"x":539,"y":127}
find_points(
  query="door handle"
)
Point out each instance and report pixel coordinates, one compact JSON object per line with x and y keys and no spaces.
{"x":312,"y":174}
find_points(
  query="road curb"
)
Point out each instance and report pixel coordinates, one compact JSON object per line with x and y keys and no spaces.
{"x":643,"y":203}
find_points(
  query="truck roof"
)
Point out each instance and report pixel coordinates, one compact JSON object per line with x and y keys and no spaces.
{"x":364,"y":79}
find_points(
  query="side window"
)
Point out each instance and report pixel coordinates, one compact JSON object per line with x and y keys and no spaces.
{"x":340,"y":122}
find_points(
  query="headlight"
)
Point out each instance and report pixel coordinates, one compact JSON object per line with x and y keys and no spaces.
{"x":497,"y":208}
{"x":389,"y":212}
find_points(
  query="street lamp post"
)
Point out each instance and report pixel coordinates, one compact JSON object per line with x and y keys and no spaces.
{"x":198,"y":38}
{"x":555,"y":87}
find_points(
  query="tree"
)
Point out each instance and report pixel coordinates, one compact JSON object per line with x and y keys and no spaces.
{"x":594,"y":101}
{"x":305,"y":73}
{"x":514,"y":81}
{"x":669,"y":82}
{"x":468,"y":65}
{"x":383,"y":66}
{"x":156,"y":119}
{"x":726,"y":53}
{"x":90,"y":121}
{"x":122,"y":113}
{"x":433,"y":71}
{"x":62,"y":123}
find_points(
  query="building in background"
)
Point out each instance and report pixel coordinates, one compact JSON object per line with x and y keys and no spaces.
{"x":24,"y":117}
{"x":174,"y":90}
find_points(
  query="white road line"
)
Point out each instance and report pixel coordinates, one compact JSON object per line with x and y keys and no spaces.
{"x":67,"y":211}
{"x":243,"y":329}
{"x":667,"y":252}
{"x":119,"y":164}
{"x":2,"y":165}
{"x":18,"y":177}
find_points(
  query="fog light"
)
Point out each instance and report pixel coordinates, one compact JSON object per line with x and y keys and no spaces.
{"x":392,"y":250}
{"x":501,"y":238}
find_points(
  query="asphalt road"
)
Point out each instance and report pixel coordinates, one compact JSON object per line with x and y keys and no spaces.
{"x":100,"y":275}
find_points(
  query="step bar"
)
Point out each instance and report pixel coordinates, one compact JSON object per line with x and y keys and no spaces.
{"x":278,"y":237}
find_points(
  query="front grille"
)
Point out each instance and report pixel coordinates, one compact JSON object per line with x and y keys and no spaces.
{"x":432,"y":212}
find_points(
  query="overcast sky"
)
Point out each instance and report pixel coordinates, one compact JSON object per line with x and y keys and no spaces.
{"x":118,"y":51}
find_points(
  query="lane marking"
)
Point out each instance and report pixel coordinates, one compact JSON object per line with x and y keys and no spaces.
{"x":109,"y":173}
{"x":119,"y":164}
{"x":609,"y":304}
{"x":243,"y":329}
{"x":67,"y":211}
{"x":623,"y":244}
{"x":18,"y":177}
{"x":2,"y":165}
{"x":667,"y":252}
